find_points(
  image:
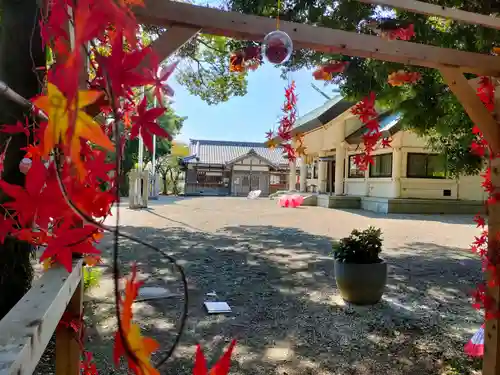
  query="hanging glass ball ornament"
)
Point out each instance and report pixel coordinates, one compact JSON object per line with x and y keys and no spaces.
{"x":277,"y":47}
{"x":25,"y":165}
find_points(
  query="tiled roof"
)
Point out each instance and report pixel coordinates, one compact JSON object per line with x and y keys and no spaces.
{"x":221,"y":152}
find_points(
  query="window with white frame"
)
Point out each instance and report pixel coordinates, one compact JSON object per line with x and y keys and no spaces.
{"x":354,"y":170}
{"x":382,"y":166}
{"x":422,"y":165}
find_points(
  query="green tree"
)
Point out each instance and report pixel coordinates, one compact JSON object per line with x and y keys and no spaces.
{"x":428,"y":108}
{"x":170,"y":171}
{"x":206,"y":71}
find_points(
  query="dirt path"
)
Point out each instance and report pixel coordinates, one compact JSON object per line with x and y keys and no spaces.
{"x":273,"y":266}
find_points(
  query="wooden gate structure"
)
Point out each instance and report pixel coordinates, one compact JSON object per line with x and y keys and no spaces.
{"x":183,"y":21}
{"x":26,"y":330}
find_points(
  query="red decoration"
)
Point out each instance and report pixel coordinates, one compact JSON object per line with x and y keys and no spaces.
{"x":145,"y":125}
{"x":404,"y":33}
{"x":277,"y":47}
{"x":368,"y":115}
{"x":287,"y":122}
{"x":481,"y":245}
{"x":221,"y":367}
{"x":248,"y":58}
{"x":402,"y":77}
{"x":327,"y":72}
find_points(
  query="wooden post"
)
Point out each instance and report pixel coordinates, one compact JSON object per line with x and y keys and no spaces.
{"x":491,"y":132}
{"x":491,"y":360}
{"x":27,"y":329}
{"x":68,"y":350}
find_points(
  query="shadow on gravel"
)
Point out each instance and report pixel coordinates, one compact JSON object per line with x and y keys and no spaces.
{"x":287,"y":315}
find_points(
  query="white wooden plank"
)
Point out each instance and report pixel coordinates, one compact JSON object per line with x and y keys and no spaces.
{"x":250,"y":27}
{"x":420,"y":7}
{"x":169,"y":42}
{"x":473,"y":106}
{"x":26,"y":330}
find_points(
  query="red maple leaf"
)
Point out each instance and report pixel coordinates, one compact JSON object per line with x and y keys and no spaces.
{"x":159,"y":76}
{"x":372,"y":125}
{"x":221,"y":367}
{"x":386,"y":142}
{"x":38,"y":237}
{"x":87,"y":365}
{"x":270,"y":134}
{"x":26,"y":200}
{"x":290,"y":152}
{"x":285,"y":133}
{"x":53,"y":28}
{"x":479,"y":147}
{"x":19,"y":127}
{"x":68,"y":241}
{"x":486,"y":93}
{"x":145,"y":125}
{"x":480,"y":241}
{"x":98,"y":167}
{"x":6,"y":228}
{"x":121,"y":67}
{"x":480,"y":221}
{"x":475,"y":130}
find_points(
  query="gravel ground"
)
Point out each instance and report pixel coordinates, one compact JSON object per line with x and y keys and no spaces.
{"x":273,"y":266}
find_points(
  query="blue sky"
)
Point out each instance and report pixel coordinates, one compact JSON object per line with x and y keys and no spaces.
{"x":245,"y":118}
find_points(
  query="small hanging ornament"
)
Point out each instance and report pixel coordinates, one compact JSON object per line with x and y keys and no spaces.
{"x":392,"y":29}
{"x":328,"y":71}
{"x":236,"y":61}
{"x":277,"y":47}
{"x":475,"y":346}
{"x":402,"y":77}
{"x":245,"y":59}
{"x":25,"y":165}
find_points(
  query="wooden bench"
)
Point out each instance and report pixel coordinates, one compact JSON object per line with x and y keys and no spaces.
{"x":27,"y":329}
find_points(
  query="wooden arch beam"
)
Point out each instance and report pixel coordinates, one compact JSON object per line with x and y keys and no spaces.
{"x":427,"y":9}
{"x":169,"y":42}
{"x":473,"y":106}
{"x":250,"y":27}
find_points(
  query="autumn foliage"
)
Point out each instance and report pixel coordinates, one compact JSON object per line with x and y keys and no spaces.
{"x":328,"y":71}
{"x":287,"y":121}
{"x":402,"y":77}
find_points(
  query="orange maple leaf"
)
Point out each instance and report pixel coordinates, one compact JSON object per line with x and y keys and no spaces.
{"x":62,"y":120}
{"x":92,"y":260}
{"x":131,"y":292}
{"x":142,"y":347}
{"x":271,"y":143}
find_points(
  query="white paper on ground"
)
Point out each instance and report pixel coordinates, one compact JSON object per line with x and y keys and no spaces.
{"x":217,"y":307}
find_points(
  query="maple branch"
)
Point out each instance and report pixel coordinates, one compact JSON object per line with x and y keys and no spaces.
{"x":10,"y":94}
{"x":200,"y":69}
{"x":209,"y":46}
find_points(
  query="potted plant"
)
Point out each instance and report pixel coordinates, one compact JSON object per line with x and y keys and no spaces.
{"x":360,"y":273}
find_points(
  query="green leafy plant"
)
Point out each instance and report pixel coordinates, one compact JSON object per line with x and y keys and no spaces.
{"x":362,"y":247}
{"x":91,"y":277}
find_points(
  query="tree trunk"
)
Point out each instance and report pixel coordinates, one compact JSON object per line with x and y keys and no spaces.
{"x":20,"y":53}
